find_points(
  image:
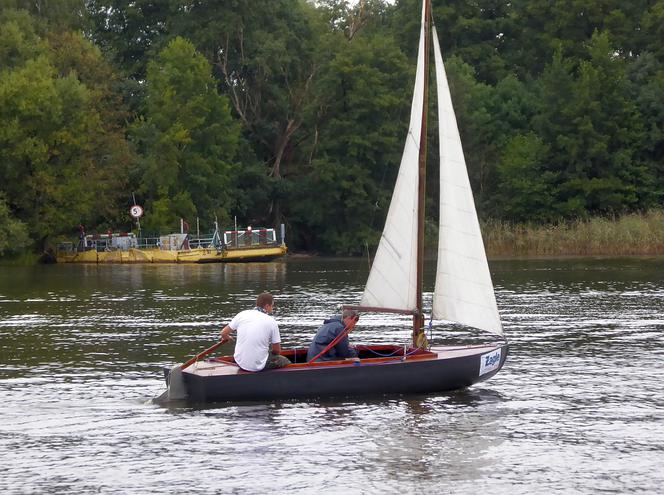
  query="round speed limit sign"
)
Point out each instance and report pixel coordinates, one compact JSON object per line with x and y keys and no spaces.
{"x":136,"y":211}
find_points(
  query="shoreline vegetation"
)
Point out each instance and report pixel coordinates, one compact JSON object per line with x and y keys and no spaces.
{"x":295,"y":112}
{"x":629,"y":235}
{"x":637,"y":234}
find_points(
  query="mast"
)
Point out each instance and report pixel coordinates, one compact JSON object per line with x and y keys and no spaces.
{"x":418,"y":318}
{"x":395,"y":281}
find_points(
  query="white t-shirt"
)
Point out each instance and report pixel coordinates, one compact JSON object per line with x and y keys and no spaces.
{"x":256,"y":331}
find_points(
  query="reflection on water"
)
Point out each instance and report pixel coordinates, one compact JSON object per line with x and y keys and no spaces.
{"x":578,"y":407}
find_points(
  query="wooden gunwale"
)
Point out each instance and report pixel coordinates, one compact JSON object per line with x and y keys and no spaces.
{"x":418,"y":356}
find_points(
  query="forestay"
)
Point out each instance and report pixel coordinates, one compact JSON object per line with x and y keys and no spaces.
{"x":393,"y":278}
{"x":464,"y":291}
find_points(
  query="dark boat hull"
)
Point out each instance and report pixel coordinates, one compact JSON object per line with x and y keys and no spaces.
{"x":451,"y":368}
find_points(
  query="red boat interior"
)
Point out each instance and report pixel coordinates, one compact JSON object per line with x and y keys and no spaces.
{"x":298,"y":356}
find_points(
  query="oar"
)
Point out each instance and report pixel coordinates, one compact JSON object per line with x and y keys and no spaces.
{"x":203,"y":354}
{"x":176,"y":389}
{"x":334,"y":342}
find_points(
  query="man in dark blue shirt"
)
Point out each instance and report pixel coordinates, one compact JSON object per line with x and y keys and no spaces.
{"x":330,"y":330}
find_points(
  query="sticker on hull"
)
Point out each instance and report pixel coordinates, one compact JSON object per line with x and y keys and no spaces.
{"x":489,"y":361}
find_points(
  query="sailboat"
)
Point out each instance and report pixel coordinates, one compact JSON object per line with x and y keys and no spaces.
{"x":463,"y":291}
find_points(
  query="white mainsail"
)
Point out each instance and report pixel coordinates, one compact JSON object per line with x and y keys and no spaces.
{"x":392,"y":280}
{"x":464,"y":291}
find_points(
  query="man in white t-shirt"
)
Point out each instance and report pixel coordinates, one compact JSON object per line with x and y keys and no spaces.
{"x":258,"y":345}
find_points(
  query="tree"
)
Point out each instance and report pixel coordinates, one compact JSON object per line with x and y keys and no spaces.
{"x":594,"y":131}
{"x":52,"y":133}
{"x":130,"y":31}
{"x":19,"y":40}
{"x":538,"y":28}
{"x":109,"y":150}
{"x":266,"y":54}
{"x":343,"y":191}
{"x":46,"y":124}
{"x":13,"y":233}
{"x":647,"y":77}
{"x":526,"y":187}
{"x":187,"y":139}
{"x":48,"y":15}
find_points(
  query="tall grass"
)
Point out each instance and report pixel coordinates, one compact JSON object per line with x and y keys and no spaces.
{"x":634,"y":234}
{"x":25,"y":258}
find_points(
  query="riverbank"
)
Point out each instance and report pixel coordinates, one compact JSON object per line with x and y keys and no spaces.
{"x":629,"y":235}
{"x":635,"y":234}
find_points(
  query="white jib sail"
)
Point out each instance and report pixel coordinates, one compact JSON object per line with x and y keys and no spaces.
{"x":393,"y":276}
{"x":463,"y":292}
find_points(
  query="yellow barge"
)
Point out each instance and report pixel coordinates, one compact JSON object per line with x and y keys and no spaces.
{"x":235,"y":246}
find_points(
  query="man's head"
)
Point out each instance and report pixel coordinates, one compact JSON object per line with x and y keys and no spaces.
{"x":265,"y":301}
{"x":350,"y":317}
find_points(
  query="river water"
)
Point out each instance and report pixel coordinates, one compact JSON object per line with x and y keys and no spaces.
{"x":578,"y":407}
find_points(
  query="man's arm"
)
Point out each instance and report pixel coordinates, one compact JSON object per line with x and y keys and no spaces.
{"x":226,"y":333}
{"x":276,"y":337}
{"x":344,"y":350}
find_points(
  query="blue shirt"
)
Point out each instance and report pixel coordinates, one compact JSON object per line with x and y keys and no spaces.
{"x":330,"y":330}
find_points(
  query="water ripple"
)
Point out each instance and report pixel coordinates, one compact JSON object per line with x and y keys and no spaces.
{"x":577,"y":409}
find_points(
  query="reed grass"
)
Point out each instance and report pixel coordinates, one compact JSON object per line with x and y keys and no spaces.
{"x":634,"y":234}
{"x":25,"y":258}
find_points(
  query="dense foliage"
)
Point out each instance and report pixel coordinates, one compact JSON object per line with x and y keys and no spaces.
{"x":296,"y":111}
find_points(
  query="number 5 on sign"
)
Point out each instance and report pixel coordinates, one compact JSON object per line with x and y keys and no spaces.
{"x":136,"y":211}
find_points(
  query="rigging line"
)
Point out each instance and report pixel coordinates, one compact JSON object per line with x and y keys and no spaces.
{"x":411,"y":353}
{"x":430,"y":329}
{"x":383,"y":355}
{"x":376,"y":353}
